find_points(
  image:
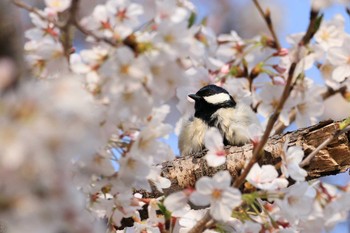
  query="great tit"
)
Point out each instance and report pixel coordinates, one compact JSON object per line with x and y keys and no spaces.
{"x":215,"y":107}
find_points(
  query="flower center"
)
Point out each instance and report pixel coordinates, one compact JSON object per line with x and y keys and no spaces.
{"x":124,"y":69}
{"x":131,"y":164}
{"x":325,"y":35}
{"x":216,"y":194}
{"x":302,"y":108}
{"x":292,"y":200}
{"x":220,"y":153}
{"x":275,"y":103}
{"x":169,"y":38}
{"x":56,"y":3}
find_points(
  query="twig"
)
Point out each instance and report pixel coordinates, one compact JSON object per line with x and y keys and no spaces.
{"x":66,"y":35}
{"x":201,"y":224}
{"x":336,"y":134}
{"x":93,"y":35}
{"x":257,"y":150}
{"x":28,"y":8}
{"x":36,"y":11}
{"x":312,"y":28}
{"x":267,"y":17}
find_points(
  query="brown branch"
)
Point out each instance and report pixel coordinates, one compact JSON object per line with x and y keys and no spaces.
{"x":86,"y":32}
{"x":312,"y":28}
{"x":257,"y":151}
{"x":201,"y":224}
{"x":29,"y":8}
{"x":66,"y":37}
{"x":343,"y":128}
{"x":334,"y":158}
{"x":267,"y":17}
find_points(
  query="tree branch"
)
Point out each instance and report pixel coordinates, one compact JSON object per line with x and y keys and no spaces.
{"x":267,"y":17}
{"x":343,"y":128}
{"x":334,"y":158}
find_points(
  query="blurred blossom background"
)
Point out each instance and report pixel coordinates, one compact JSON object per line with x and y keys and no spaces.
{"x":222,"y":15}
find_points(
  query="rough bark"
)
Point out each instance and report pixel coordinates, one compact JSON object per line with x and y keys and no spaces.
{"x":333,"y":159}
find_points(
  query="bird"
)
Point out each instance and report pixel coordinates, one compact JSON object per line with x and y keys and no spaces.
{"x":215,"y":107}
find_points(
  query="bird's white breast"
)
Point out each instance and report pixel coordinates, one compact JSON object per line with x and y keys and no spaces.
{"x":233,"y":121}
{"x":191,"y":138}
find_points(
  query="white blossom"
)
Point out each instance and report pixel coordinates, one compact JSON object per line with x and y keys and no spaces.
{"x":291,"y":157}
{"x":339,"y":57}
{"x":217,"y":192}
{"x":58,"y":5}
{"x":331,"y":33}
{"x":189,"y":220}
{"x":298,"y":201}
{"x":265,"y":177}
{"x":216,"y":154}
{"x":177,"y":202}
{"x":269,"y":98}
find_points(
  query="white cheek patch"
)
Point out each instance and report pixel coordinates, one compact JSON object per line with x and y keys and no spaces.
{"x":217,"y":98}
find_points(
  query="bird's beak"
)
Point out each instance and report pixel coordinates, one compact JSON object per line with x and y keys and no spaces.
{"x":194,"y":97}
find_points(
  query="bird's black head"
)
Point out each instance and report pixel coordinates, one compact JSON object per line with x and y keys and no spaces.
{"x":209,"y":99}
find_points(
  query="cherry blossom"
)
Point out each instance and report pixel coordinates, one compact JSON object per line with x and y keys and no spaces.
{"x":265,"y":177}
{"x":232,"y":46}
{"x":217,"y":192}
{"x":291,"y":158}
{"x":269,"y":98}
{"x":177,"y":202}
{"x":216,"y":155}
{"x":308,"y":102}
{"x":298,"y":201}
{"x":339,"y":57}
{"x":58,"y":5}
{"x":331,"y":33}
{"x":239,"y":90}
{"x":188,"y":220}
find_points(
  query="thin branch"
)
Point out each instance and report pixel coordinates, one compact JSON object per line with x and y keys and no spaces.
{"x":312,"y":28}
{"x":28,"y":8}
{"x":201,"y":224}
{"x":66,"y":37}
{"x":267,"y":17}
{"x":86,"y":32}
{"x":36,"y":11}
{"x":258,"y":149}
{"x":336,"y":134}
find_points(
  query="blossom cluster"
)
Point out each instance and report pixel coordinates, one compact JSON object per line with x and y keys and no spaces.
{"x":97,"y":136}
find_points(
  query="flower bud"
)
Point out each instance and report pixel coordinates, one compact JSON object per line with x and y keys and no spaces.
{"x":257,"y":70}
